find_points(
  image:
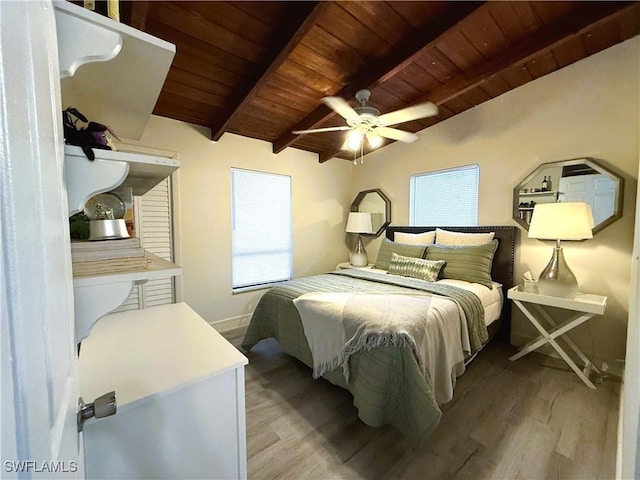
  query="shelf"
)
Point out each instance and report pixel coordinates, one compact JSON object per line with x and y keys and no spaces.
{"x":583,"y":302}
{"x":113,"y":74}
{"x":95,"y":296}
{"x":109,"y":170}
{"x":110,"y":72}
{"x":538,"y":194}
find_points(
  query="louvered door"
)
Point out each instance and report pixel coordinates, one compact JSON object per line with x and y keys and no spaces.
{"x":153,"y":226}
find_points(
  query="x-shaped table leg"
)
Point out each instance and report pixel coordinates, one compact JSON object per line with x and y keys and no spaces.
{"x":550,"y":338}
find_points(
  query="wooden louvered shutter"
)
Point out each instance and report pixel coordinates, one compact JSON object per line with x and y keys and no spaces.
{"x":153,"y":227}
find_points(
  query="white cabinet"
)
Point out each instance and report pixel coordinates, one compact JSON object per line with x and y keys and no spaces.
{"x":180,"y":392}
{"x":179,"y":384}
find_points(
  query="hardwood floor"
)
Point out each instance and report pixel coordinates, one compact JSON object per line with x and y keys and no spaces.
{"x":530,"y":419}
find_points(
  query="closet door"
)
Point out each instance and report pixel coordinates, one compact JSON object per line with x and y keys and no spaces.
{"x":153,"y":220}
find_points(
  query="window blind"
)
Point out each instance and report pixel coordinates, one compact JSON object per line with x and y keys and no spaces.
{"x":261,"y":228}
{"x":445,"y":198}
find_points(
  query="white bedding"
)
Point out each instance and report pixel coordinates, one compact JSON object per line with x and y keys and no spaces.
{"x":491,"y":299}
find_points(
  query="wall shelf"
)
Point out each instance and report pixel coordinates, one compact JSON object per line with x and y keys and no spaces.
{"x":538,"y":194}
{"x":113,"y":74}
{"x":109,"y":71}
{"x":110,"y":170}
{"x":97,"y":295}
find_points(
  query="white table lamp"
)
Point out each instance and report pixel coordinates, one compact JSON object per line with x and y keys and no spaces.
{"x":560,"y":221}
{"x":359,"y":222}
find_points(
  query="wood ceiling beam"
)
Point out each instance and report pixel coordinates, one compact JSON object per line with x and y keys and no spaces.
{"x":328,"y":155}
{"x":297,"y":30}
{"x":139,"y":13}
{"x":383,"y":68}
{"x":539,"y":44}
{"x":533,"y":46}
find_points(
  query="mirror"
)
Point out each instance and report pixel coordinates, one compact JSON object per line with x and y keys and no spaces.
{"x":378,"y":205}
{"x":576,"y":180}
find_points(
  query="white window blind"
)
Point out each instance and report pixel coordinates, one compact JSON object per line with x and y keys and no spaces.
{"x":261,"y":228}
{"x":446,"y":197}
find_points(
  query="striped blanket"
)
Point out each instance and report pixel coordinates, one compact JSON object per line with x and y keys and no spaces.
{"x":388,"y":383}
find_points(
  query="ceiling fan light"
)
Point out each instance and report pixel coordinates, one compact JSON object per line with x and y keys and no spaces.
{"x":354,"y":139}
{"x":374,"y":139}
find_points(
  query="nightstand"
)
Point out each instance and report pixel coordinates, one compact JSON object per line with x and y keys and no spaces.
{"x":586,"y":305}
{"x":344,"y":265}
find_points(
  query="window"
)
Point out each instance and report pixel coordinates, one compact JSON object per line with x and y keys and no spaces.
{"x":261,"y":228}
{"x":446,"y":197}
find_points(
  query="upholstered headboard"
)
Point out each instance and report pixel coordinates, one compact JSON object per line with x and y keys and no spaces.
{"x":503,"y":259}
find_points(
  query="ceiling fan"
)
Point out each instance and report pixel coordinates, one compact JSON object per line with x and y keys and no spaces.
{"x":366,"y":121}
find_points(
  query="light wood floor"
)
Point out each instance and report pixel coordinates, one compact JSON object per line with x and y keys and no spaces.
{"x":529,"y":419}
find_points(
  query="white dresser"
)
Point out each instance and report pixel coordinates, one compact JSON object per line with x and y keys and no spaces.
{"x":180,"y":393}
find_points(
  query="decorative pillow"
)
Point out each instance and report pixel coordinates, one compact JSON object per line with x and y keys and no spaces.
{"x":388,"y":247}
{"x":426,"y":238}
{"x":468,"y":263}
{"x":415,"y":267}
{"x":445,"y":237}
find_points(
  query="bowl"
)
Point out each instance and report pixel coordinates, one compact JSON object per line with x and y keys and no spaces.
{"x":107,"y":229}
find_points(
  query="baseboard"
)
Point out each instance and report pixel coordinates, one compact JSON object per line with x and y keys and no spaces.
{"x":232,"y":323}
{"x":615,"y":369}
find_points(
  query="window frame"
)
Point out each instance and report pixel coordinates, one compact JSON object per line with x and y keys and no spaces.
{"x":471,"y":222}
{"x":258,"y":285}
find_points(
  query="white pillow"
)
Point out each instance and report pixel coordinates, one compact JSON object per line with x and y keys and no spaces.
{"x":426,"y":238}
{"x":445,"y":237}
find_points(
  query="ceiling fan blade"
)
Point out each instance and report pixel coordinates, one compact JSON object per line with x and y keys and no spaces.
{"x":421,"y":110}
{"x":320,"y":130}
{"x":341,"y":107}
{"x":395,"y":134}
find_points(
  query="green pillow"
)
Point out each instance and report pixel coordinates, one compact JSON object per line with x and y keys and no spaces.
{"x":415,"y":267}
{"x":388,"y":247}
{"x":468,"y":263}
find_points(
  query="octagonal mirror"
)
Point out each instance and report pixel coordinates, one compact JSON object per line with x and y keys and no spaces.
{"x":378,"y":205}
{"x":575,"y":180}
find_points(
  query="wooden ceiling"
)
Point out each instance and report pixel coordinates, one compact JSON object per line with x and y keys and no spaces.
{"x":260,"y":69}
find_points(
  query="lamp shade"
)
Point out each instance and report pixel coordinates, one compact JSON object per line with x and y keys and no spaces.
{"x":561,"y":221}
{"x":359,"y":222}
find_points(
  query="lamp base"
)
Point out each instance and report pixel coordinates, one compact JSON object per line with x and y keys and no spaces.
{"x":358,"y":257}
{"x":557,"y":279}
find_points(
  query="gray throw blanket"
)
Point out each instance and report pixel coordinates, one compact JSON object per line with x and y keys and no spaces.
{"x":337,"y":325}
{"x":432,"y":328}
{"x":468,"y":302}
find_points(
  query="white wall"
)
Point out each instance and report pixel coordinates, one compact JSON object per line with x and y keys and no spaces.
{"x":321,"y":198}
{"x":589,"y":109}
{"x":628,"y":460}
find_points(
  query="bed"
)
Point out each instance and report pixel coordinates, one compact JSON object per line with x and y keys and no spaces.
{"x":394,"y":340}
